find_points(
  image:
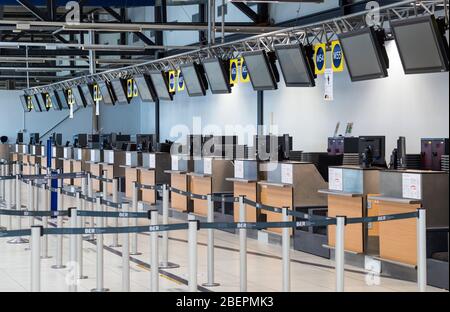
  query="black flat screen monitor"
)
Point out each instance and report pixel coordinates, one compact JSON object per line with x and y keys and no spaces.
{"x":217,"y":73}
{"x":194,"y":78}
{"x":161,"y":84}
{"x":121,"y":90}
{"x":108,"y":95}
{"x":78,"y":96}
{"x":56,"y":101}
{"x":364,"y":54}
{"x":146,"y":89}
{"x":261,"y":70}
{"x":25,"y":105}
{"x":377,"y":146}
{"x":40,"y":97}
{"x":88,"y":91}
{"x":36,"y":104}
{"x":421,"y":44}
{"x":296,"y":65}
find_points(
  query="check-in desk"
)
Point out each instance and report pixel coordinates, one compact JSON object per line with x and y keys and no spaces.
{"x":16,"y":153}
{"x":5,"y":152}
{"x":57,"y":155}
{"x":210,"y":177}
{"x":181,"y":165}
{"x":290,"y":184}
{"x":96,"y":168}
{"x":113,"y":162}
{"x":133,"y":160}
{"x":347,"y":193}
{"x":78,"y":164}
{"x":245,"y":183}
{"x":67,"y":161}
{"x":35,"y":157}
{"x":153,"y":172}
{"x":26,"y":168}
{"x":406,"y":191}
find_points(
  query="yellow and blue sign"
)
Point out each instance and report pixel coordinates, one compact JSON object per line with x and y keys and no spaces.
{"x":135,"y":89}
{"x":320,"y":58}
{"x":234,"y":71}
{"x":130,"y":87}
{"x":97,"y":94}
{"x":180,"y":81}
{"x":245,"y":77}
{"x":29,"y":102}
{"x":172,"y":81}
{"x":337,"y":56}
{"x":48,"y":101}
{"x":70,"y":97}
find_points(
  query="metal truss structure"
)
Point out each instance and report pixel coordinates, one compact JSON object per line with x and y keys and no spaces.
{"x":320,"y":32}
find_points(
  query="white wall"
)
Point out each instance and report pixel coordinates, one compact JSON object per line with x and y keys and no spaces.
{"x":413,"y":106}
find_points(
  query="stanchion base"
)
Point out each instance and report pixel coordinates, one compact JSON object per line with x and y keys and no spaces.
{"x":83,"y":277}
{"x":100,"y":290}
{"x":210,"y":284}
{"x":58,"y":267}
{"x":137,"y":253}
{"x":18,"y":240}
{"x":168,"y":265}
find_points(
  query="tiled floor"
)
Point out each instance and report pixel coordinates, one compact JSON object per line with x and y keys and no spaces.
{"x":264,"y":268}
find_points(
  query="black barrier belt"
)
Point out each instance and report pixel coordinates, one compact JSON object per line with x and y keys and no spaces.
{"x":15,"y":233}
{"x":118,"y":230}
{"x":9,"y":177}
{"x":26,"y":213}
{"x":75,"y":175}
{"x":224,"y":199}
{"x":398,"y":216}
{"x":264,"y":225}
{"x":146,"y":187}
{"x":112,"y":214}
{"x":262,"y":206}
{"x":68,"y":193}
{"x":102,"y":179}
{"x":306,"y":216}
{"x":180,"y":192}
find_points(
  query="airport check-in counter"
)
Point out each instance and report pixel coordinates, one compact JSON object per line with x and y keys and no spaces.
{"x":133,"y":160}
{"x":16,"y":153}
{"x":349,"y":187}
{"x":154,"y":172}
{"x":290,"y":184}
{"x":5,"y":152}
{"x":24,"y":151}
{"x":57,"y":155}
{"x":67,"y":160}
{"x":78,"y":163}
{"x":181,"y":165}
{"x":113,"y":162}
{"x":404,"y":191}
{"x":245,"y":183}
{"x":35,"y":156}
{"x":210,"y":177}
{"x":95,"y":167}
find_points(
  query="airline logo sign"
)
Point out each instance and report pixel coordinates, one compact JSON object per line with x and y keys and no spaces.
{"x":234,"y":67}
{"x":70,"y":97}
{"x":245,"y":77}
{"x":48,"y":101}
{"x":180,"y":81}
{"x":338,"y":56}
{"x":97,"y":94}
{"x":29,"y":102}
{"x":172,"y":83}
{"x":132,"y":90}
{"x":320,"y":58}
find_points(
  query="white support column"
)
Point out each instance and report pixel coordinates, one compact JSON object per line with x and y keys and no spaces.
{"x":73,"y":257}
{"x":340,"y":253}
{"x":47,"y":200}
{"x":243,"y":246}
{"x":154,"y":255}
{"x":125,"y":253}
{"x":422,"y":251}
{"x":59,"y":238}
{"x":36,"y":232}
{"x":192,"y":245}
{"x":210,"y":246}
{"x":115,"y":199}
{"x":286,"y":255}
{"x":79,"y":239}
{"x":100,"y":253}
{"x":18,"y":188}
{"x":134,"y":236}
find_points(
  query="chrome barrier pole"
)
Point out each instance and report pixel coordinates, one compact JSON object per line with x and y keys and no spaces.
{"x":154,"y":256}
{"x":73,"y":251}
{"x":15,"y":172}
{"x":125,"y":253}
{"x":165,"y":264}
{"x":36,"y":232}
{"x":422,"y":250}
{"x":36,"y":191}
{"x":79,"y":240}
{"x":8,"y":200}
{"x":30,"y":206}
{"x":100,"y":261}
{"x":83,"y":203}
{"x":47,"y":195}
{"x":59,"y":238}
{"x":2,"y":185}
{"x":91,"y":205}
{"x":134,"y":236}
{"x":243,"y":246}
{"x":192,"y":245}
{"x":18,"y":240}
{"x":340,"y":253}
{"x":210,"y":246}
{"x":115,"y":199}
{"x":286,"y":246}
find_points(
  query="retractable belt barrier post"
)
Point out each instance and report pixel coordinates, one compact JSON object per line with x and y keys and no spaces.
{"x":46,"y":198}
{"x":192,"y":245}
{"x":125,"y":253}
{"x":15,"y":172}
{"x":154,"y":256}
{"x":2,"y":185}
{"x":36,"y":233}
{"x":339,"y":256}
{"x":30,"y":206}
{"x":286,"y":256}
{"x":134,"y":237}
{"x":91,"y":205}
{"x":165,"y":264}
{"x":73,"y":251}
{"x":79,"y":239}
{"x":18,"y":188}
{"x":242,"y":246}
{"x":8,"y":199}
{"x":422,"y":251}
{"x":115,"y":199}
{"x":100,"y":269}
{"x":210,"y":246}
{"x":59,"y":238}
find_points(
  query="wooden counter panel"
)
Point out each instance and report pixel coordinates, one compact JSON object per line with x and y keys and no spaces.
{"x":67,"y":168}
{"x":249,"y":190}
{"x":76,"y":167}
{"x":374,"y":228}
{"x":201,"y":186}
{"x":398,"y":238}
{"x":277,"y":197}
{"x":131,"y":175}
{"x":180,"y":182}
{"x":148,"y":178}
{"x":109,"y":175}
{"x":351,"y":207}
{"x":96,"y":170}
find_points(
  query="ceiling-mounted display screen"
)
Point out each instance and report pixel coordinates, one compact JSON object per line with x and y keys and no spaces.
{"x":78,"y":96}
{"x":62,"y":98}
{"x":56,"y":102}
{"x":365,"y":54}
{"x":161,"y":84}
{"x":194,"y":79}
{"x":421,"y":44}
{"x":120,"y":90}
{"x":108,"y":96}
{"x":26,"y":105}
{"x":146,"y":89}
{"x":297,"y":65}
{"x":36,"y":104}
{"x":87,"y":91}
{"x":48,"y":104}
{"x":263,"y":73}
{"x":217,"y":73}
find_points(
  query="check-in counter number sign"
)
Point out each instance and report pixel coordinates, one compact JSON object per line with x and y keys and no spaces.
{"x":335,"y":179}
{"x":207,"y":166}
{"x":174,"y":163}
{"x":239,"y":169}
{"x":411,"y":186}
{"x":287,"y":174}
{"x":152,"y":161}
